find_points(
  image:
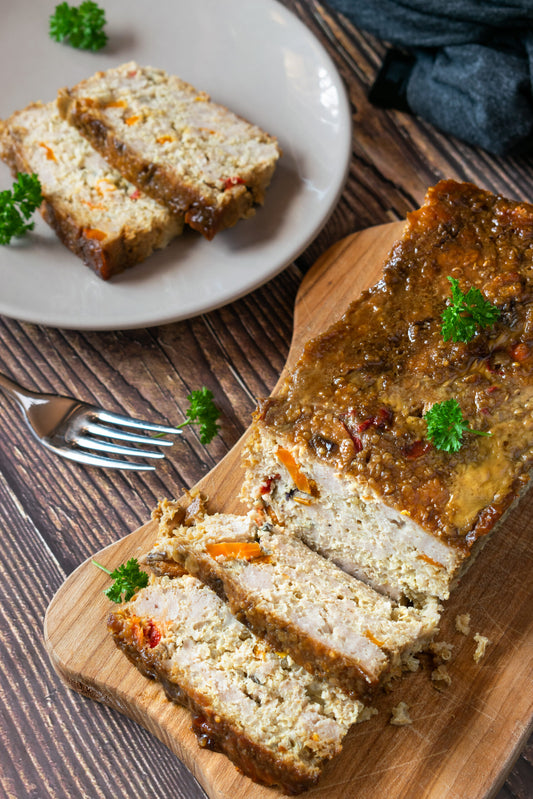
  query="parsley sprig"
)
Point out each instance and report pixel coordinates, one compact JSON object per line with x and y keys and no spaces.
{"x":446,"y":426}
{"x":465,"y":313}
{"x":128,"y":578}
{"x":203,"y":411}
{"x":17,"y":205}
{"x":81,"y":26}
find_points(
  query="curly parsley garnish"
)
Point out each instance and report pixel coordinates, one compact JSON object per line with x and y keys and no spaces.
{"x":465,"y":313}
{"x":128,"y":579}
{"x":81,"y":26}
{"x":17,"y":205}
{"x":203,"y":411}
{"x":446,"y":426}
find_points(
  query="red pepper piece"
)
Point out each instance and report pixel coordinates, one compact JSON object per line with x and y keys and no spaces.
{"x":357,"y":443}
{"x":519,"y":352}
{"x":266,"y":487}
{"x":236,"y":181}
{"x":153,"y":635}
{"x":416,"y":449}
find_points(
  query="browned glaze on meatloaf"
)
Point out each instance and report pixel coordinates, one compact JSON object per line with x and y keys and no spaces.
{"x":357,"y":396}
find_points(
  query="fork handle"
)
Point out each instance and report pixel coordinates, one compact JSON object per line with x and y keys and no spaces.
{"x":22,"y":395}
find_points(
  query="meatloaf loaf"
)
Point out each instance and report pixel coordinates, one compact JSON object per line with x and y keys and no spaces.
{"x":273,"y":719}
{"x":328,"y":621}
{"x":97,"y":214}
{"x":169,"y":139}
{"x":340,"y":456}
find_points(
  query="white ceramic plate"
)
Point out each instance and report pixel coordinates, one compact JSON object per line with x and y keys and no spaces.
{"x":253,"y":56}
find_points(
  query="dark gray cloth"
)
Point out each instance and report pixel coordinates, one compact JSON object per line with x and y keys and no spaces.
{"x":464,"y":65}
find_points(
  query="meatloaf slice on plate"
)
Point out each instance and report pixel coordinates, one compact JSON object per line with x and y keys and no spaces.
{"x":95,"y":211}
{"x":169,"y":139}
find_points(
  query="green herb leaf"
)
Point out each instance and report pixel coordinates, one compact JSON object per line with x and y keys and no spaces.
{"x":17,"y":205}
{"x":203,"y":411}
{"x":465,"y":313}
{"x":128,"y":579}
{"x":81,"y":26}
{"x":446,"y":426}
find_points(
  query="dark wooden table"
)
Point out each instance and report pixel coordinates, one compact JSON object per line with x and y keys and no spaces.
{"x":55,"y":514}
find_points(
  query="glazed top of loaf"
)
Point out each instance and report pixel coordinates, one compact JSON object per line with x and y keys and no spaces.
{"x":357,"y":396}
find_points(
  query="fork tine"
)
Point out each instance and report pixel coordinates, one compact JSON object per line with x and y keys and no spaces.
{"x":127,"y":421}
{"x":121,"y":435}
{"x":116,"y":449}
{"x":88,"y":458}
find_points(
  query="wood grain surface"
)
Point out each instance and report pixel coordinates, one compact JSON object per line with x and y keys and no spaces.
{"x":55,"y":514}
{"x":466,"y":734}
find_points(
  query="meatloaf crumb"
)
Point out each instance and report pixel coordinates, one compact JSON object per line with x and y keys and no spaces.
{"x":462,"y":623}
{"x":400,"y":715}
{"x":482,"y":642}
{"x":441,"y":678}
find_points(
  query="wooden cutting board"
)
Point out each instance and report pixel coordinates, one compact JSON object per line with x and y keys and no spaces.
{"x":463,"y":739}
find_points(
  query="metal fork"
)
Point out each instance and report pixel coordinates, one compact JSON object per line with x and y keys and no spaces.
{"x":79,"y":431}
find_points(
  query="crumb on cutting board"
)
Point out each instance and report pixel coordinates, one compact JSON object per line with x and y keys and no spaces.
{"x":441,"y":678}
{"x":410,"y":663}
{"x":441,"y":651}
{"x":482,"y":643}
{"x":366,"y":714}
{"x":462,"y":623}
{"x":400,"y":715}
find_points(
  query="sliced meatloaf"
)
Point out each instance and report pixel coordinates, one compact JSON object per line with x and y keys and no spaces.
{"x":174,"y":143}
{"x":328,"y":621}
{"x":274,"y":720}
{"x":96,"y":212}
{"x":340,"y":456}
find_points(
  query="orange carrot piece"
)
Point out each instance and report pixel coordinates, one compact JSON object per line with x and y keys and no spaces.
{"x":104,"y":186}
{"x":429,"y":560}
{"x":49,"y":152}
{"x":299,"y":478}
{"x":94,"y":233}
{"x":373,"y":638}
{"x":242,"y":550}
